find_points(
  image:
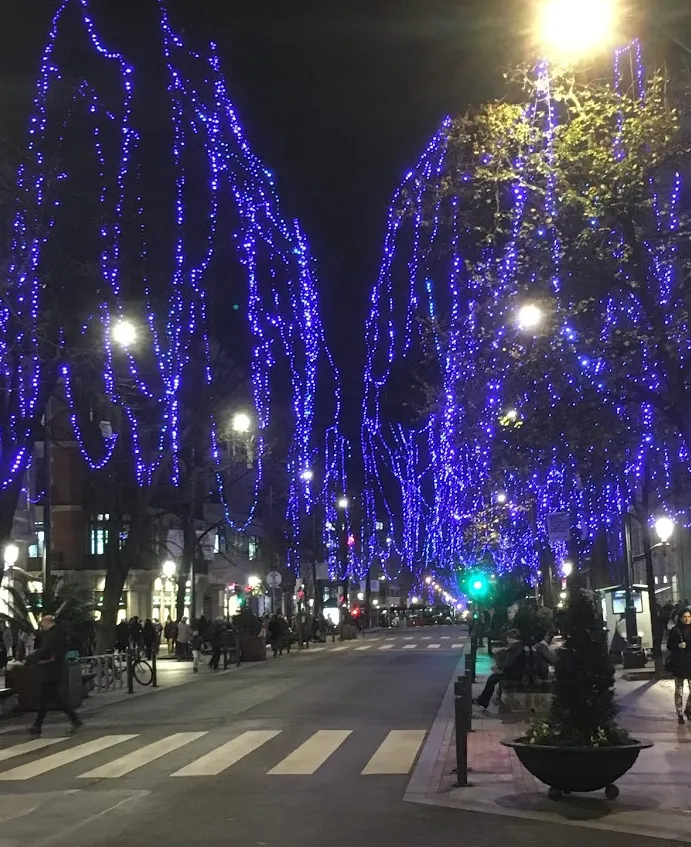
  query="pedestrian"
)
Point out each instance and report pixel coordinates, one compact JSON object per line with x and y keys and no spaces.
{"x":274,"y":632}
{"x":149,"y":637}
{"x":215,"y":636}
{"x":203,"y":626}
{"x":170,"y":633}
{"x":679,"y":663}
{"x":196,"y":645}
{"x":50,"y":657}
{"x":122,"y":635}
{"x":135,"y":632}
{"x":183,"y":640}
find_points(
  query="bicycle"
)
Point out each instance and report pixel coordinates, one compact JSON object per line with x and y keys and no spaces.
{"x":142,"y":670}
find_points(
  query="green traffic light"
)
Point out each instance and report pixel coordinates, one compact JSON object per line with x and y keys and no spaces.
{"x":478,"y":585}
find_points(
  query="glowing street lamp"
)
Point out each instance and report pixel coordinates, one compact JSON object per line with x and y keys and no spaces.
{"x":169,"y":567}
{"x":567,"y":568}
{"x":568,"y":30}
{"x":343,"y":503}
{"x":307,"y":475}
{"x":428,"y":579}
{"x":242,"y":423}
{"x":529,"y":316}
{"x":10,"y":555}
{"x":124,"y":333}
{"x":664,"y":527}
{"x":253,"y":582}
{"x":500,"y":497}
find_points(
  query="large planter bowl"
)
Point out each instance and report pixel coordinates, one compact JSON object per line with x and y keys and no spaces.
{"x":252,"y":648}
{"x":568,"y":769}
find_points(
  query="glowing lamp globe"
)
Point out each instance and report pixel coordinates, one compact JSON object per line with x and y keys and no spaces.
{"x":664,"y":527}
{"x":168,"y":569}
{"x":242,"y":423}
{"x":124,"y":334}
{"x":529,"y":316}
{"x":569,"y":30}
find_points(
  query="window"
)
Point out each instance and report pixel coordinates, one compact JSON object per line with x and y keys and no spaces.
{"x":379,"y":526}
{"x":253,"y":547}
{"x":99,"y":532}
{"x":35,"y":550}
{"x":220,"y":542}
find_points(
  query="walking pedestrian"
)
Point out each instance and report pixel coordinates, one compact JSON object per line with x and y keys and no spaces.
{"x":679,"y":663}
{"x":196,"y":645}
{"x":215,"y":636}
{"x":183,"y":640}
{"x":50,"y":657}
{"x":149,"y":637}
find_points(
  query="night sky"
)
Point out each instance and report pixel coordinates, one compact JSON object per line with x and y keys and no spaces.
{"x":337,"y":96}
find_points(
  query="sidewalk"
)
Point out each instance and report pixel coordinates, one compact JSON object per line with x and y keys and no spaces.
{"x":655,"y":795}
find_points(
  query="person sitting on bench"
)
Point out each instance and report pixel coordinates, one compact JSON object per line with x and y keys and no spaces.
{"x":510,"y":666}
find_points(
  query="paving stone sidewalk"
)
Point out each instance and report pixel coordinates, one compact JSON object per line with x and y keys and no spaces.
{"x":655,"y":795}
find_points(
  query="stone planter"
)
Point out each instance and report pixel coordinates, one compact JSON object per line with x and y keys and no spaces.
{"x":252,"y":648}
{"x":348,"y":632}
{"x":569,"y":769}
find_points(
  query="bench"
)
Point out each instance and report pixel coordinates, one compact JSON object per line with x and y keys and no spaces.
{"x":525,"y":697}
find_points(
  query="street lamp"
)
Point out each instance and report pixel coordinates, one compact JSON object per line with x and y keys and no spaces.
{"x":168,"y":568}
{"x":253,"y":582}
{"x":10,"y":555}
{"x":500,"y":497}
{"x":568,"y":30}
{"x":343,"y":503}
{"x":307,"y":475}
{"x":124,"y":333}
{"x":567,"y":568}
{"x":428,"y":579}
{"x":664,"y":527}
{"x":529,"y":316}
{"x":242,"y":423}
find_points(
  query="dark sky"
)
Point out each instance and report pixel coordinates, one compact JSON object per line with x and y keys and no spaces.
{"x":337,"y":96}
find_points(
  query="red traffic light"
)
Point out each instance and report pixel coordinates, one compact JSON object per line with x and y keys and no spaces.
{"x":351,"y":541}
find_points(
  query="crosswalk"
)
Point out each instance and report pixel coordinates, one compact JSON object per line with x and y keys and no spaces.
{"x":211,"y":753}
{"x":408,"y":642}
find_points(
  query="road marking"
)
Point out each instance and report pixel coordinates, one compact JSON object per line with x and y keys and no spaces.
{"x":396,"y":754}
{"x":407,"y":637}
{"x":456,"y":646}
{"x":311,"y":755}
{"x":227,"y":754}
{"x":27,"y":747}
{"x":363,"y":648}
{"x":317,"y":649}
{"x":132,"y":761}
{"x":409,"y":646}
{"x":386,"y":647}
{"x":426,"y":638}
{"x":57,"y":760}
{"x":391,"y":639}
{"x":445,"y":637}
{"x":343,"y":647}
{"x":433,"y":646}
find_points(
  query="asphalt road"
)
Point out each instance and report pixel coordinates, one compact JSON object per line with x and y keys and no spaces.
{"x":313,"y":750}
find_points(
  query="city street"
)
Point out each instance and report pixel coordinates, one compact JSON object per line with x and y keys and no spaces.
{"x":312,"y":748}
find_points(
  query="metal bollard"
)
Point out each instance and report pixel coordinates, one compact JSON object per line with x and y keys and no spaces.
{"x":463,"y":713}
{"x":130,"y":671}
{"x":154,"y":674}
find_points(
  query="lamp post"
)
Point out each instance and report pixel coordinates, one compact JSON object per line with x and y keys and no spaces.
{"x":342,"y":503}
{"x":307,"y":476}
{"x":568,"y":30}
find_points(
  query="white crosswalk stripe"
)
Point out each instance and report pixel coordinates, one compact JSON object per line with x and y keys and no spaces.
{"x":132,"y":761}
{"x":426,"y":638}
{"x":396,"y":754}
{"x":407,"y":637}
{"x":228,"y":754}
{"x":433,"y":646}
{"x":409,"y":646}
{"x":367,"y":647}
{"x":445,"y":637}
{"x":311,"y":755}
{"x":342,"y":647}
{"x":386,"y":647}
{"x":65,"y":757}
{"x":456,"y":646}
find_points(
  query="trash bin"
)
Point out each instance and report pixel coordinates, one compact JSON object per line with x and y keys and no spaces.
{"x":25,"y":681}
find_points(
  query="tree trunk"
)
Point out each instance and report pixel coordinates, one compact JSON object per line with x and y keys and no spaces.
{"x":8,"y":502}
{"x":112,"y":592}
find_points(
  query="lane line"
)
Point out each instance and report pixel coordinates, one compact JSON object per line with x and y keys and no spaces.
{"x":397,"y":752}
{"x":227,"y":754}
{"x":433,"y":646}
{"x":57,"y":760}
{"x":28,"y":747}
{"x":311,"y":755}
{"x":149,"y":753}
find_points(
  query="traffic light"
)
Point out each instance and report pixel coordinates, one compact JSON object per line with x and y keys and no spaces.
{"x":478,"y":585}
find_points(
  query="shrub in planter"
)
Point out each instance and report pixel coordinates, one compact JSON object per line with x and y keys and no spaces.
{"x":579,"y":746}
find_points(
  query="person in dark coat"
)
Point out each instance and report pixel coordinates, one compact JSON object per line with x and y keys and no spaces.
{"x":215,"y":635}
{"x":149,"y":637}
{"x":275,"y":632}
{"x":122,"y":636}
{"x":510,"y":665}
{"x":679,"y":646}
{"x":50,"y":657}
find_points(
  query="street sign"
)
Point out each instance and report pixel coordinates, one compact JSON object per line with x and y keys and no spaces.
{"x":273,"y":579}
{"x":558,"y":527}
